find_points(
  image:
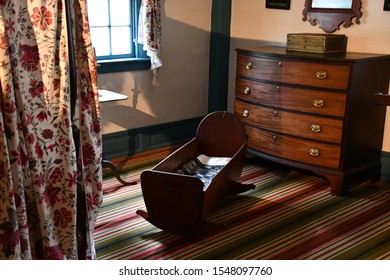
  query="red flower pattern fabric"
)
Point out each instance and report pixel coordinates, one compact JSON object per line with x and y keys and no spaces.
{"x":39,"y":171}
{"x":149,"y":33}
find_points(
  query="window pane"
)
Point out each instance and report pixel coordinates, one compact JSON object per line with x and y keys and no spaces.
{"x":101,"y":40}
{"x":120,"y":39}
{"x":120,"y":12}
{"x":97,"y":14}
{"x":111,"y":24}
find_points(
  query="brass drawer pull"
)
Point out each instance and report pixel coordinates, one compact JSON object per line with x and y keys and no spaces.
{"x":276,"y":113}
{"x":318,"y":103}
{"x":280,"y":63}
{"x":315,"y":128}
{"x":321,"y":75}
{"x":245,"y":113}
{"x":314,"y":152}
{"x":277,"y":88}
{"x":249,"y":66}
{"x":247,"y":90}
{"x":274,"y":138}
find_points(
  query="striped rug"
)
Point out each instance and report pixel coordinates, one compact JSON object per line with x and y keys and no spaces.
{"x":290,"y":215}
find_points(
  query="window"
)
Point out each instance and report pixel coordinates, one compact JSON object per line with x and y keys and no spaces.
{"x":113,"y":25}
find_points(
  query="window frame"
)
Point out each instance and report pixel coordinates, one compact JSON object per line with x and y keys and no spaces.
{"x":140,"y":61}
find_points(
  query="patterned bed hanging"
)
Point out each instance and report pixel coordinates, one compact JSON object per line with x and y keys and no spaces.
{"x":39,"y":170}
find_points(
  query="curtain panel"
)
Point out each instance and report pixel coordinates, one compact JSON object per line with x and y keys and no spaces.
{"x":40,"y":172}
{"x":149,"y":33}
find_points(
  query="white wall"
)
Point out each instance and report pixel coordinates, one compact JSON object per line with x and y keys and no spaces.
{"x":182,"y":92}
{"x":183,"y":89}
{"x":252,"y":24}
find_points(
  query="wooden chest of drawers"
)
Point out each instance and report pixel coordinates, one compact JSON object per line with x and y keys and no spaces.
{"x":314,"y":111}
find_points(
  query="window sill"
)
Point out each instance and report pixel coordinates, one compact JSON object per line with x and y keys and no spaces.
{"x":123,"y":65}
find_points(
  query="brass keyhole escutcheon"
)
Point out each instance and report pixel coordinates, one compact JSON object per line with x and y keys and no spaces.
{"x":276,"y":113}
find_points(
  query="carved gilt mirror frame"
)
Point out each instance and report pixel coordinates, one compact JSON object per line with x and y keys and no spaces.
{"x":330,"y":14}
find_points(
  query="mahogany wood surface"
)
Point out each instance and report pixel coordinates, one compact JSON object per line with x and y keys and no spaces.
{"x":178,"y":203}
{"x":291,"y":98}
{"x":291,"y":123}
{"x":381,"y":99}
{"x":278,"y":94}
{"x":294,"y":72}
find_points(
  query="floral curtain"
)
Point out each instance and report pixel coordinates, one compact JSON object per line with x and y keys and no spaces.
{"x":46,"y":168}
{"x":149,"y":33}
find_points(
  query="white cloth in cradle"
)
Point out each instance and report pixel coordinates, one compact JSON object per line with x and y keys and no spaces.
{"x":204,"y":167}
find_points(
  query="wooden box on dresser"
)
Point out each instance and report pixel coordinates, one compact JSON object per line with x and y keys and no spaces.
{"x":314,"y":111}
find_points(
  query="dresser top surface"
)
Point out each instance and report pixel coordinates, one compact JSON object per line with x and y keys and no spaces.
{"x":276,"y":51}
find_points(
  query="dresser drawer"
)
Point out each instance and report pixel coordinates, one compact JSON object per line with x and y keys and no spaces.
{"x":309,"y":152}
{"x":318,"y":128}
{"x":309,"y":101}
{"x":332,"y":76}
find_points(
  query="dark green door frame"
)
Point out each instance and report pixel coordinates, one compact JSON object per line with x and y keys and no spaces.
{"x":219,"y":55}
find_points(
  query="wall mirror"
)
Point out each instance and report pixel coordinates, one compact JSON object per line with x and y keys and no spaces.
{"x":330,"y":14}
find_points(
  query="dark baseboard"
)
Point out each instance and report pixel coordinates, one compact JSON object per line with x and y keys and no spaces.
{"x":385,"y":169}
{"x":134,"y":141}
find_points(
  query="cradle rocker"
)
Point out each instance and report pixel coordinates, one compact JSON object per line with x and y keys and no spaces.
{"x":178,"y":201}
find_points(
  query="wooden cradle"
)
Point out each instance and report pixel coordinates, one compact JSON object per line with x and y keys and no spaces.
{"x":179,"y":203}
